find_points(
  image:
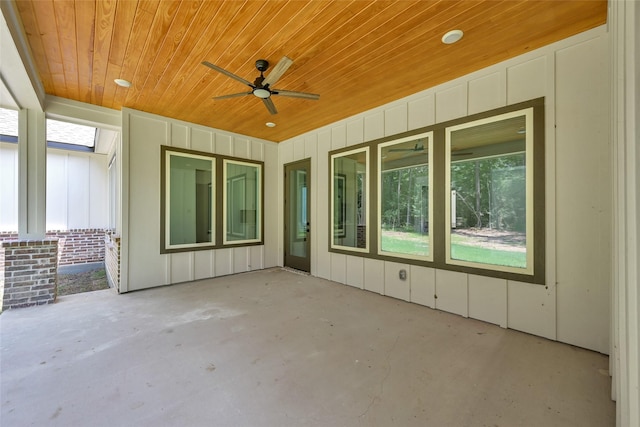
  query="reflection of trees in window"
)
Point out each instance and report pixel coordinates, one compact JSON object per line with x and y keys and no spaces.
{"x":490,"y":193}
{"x":491,"y":210}
{"x":405,"y":199}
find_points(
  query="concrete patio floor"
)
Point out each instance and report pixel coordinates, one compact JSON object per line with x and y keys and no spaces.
{"x":277,"y":348}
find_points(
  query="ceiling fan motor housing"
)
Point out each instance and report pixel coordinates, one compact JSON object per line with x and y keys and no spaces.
{"x":262,"y":65}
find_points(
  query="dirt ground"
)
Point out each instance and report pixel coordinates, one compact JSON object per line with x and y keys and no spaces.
{"x":75,"y":283}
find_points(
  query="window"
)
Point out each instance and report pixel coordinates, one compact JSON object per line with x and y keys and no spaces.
{"x":404,"y":197}
{"x":489,"y":197}
{"x":70,"y":136}
{"x":349,"y":201}
{"x":63,"y":135}
{"x":189,"y":194}
{"x":242,"y":202}
{"x":467,"y":195}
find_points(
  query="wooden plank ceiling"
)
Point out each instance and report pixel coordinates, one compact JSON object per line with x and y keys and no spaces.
{"x":356,"y":54}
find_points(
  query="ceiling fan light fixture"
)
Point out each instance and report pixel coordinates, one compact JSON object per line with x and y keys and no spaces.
{"x":452,"y":36}
{"x":122,"y":82}
{"x":261,"y":93}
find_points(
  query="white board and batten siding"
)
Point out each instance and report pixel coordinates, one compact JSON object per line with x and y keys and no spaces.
{"x":146,"y":267}
{"x":77,"y":189}
{"x":573,"y":305}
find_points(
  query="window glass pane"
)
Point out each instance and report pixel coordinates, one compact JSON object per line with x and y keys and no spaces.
{"x":349,"y":199}
{"x":404,"y":198}
{"x":8,"y":125}
{"x":189,"y":206}
{"x":70,"y":133}
{"x":490,"y":196}
{"x":242,"y":200}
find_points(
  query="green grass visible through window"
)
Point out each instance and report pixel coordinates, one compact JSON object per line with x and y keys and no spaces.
{"x":405,"y":242}
{"x":462,"y":248}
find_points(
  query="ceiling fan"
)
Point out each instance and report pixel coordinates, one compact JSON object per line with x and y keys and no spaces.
{"x":262,"y":86}
{"x":417,"y":147}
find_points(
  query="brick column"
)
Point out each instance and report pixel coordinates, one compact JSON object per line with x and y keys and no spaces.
{"x":28,"y":272}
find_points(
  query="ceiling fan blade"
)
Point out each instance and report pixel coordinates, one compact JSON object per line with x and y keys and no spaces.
{"x":226,"y":73}
{"x":293,"y":94}
{"x":270,"y":106}
{"x":232,"y":95}
{"x":278,"y":71}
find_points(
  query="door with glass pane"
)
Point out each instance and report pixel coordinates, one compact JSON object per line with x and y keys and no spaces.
{"x":297,"y":226}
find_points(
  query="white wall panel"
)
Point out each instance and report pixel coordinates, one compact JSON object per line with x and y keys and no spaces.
{"x":256,"y":257}
{"x":180,"y":136}
{"x":203,"y":264}
{"x":355,"y":131}
{"x":201,"y":140}
{"x":286,"y":152}
{"x":395,"y":120}
{"x":374,"y":125}
{"x":339,"y":268}
{"x":487,"y":92}
{"x":240,"y":260}
{"x":147,"y":268}
{"x":532,"y":309}
{"x":257,"y":151}
{"x":393,"y":285}
{"x":181,"y":265}
{"x":583,"y":200}
{"x":78,"y":191}
{"x":298,"y":149}
{"x":9,"y":187}
{"x":423,"y":285}
{"x":488,"y":299}
{"x":355,"y":271}
{"x":374,"y":275}
{"x":241,"y":148}
{"x":98,"y":191}
{"x":224,"y":262}
{"x":527,"y":80}
{"x":421,"y":112}
{"x":224,"y":144}
{"x":452,"y":292}
{"x":338,"y":136}
{"x":272,"y":207}
{"x":77,"y":195}
{"x":57,"y":190}
{"x":451,"y":103}
{"x":310,"y":147}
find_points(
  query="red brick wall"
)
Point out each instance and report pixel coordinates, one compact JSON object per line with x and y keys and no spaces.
{"x":80,"y":246}
{"x":29,"y":272}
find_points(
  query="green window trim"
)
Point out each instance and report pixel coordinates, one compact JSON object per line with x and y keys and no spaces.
{"x":348,"y":201}
{"x":406,"y":165}
{"x":532,"y":156}
{"x":213,"y":195}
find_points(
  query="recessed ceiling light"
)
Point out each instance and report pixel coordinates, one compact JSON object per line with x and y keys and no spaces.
{"x":123,"y":83}
{"x":452,"y":36}
{"x":270,"y":124}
